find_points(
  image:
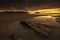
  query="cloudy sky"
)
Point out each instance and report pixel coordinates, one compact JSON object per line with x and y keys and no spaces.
{"x":29,"y":3}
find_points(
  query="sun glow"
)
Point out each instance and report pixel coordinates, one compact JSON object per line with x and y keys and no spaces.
{"x":56,"y":10}
{"x":50,"y":12}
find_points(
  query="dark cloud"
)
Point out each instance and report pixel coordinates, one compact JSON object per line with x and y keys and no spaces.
{"x":5,"y":2}
{"x":28,"y":3}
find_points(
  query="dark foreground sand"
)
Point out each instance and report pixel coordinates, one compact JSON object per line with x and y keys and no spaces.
{"x":11,"y":29}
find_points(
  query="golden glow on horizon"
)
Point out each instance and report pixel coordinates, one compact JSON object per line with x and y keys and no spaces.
{"x":10,"y":10}
{"x":50,"y":12}
{"x":56,"y":10}
{"x":2,"y":10}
